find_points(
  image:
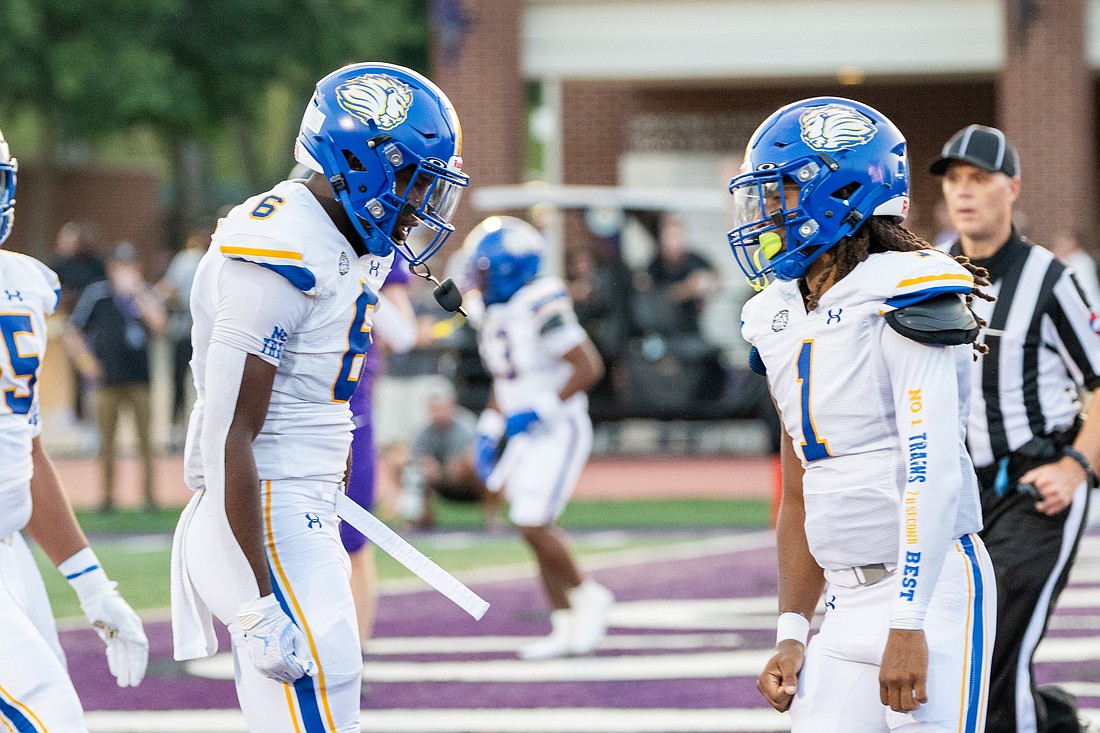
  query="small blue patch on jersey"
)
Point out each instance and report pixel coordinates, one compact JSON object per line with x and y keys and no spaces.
{"x":756,"y":363}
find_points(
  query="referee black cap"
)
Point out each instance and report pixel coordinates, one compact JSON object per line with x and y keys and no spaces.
{"x":985,"y":147}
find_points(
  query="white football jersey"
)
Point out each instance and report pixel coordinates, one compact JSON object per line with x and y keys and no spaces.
{"x":29,"y":292}
{"x":852,"y":395}
{"x":316,"y":336}
{"x":522,"y":342}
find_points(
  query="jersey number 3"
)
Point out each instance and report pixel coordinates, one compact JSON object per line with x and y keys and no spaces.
{"x":813,"y":447}
{"x":19,"y":398}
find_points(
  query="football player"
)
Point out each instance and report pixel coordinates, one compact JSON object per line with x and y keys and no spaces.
{"x":542,"y":364}
{"x":866,"y":337}
{"x":283,"y":305}
{"x":35,"y":691}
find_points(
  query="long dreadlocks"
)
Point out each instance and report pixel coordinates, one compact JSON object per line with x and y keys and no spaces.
{"x":879,"y":234}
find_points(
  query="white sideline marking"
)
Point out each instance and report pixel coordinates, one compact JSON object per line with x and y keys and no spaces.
{"x":533,"y":720}
{"x":488,"y":644}
{"x":699,"y":665}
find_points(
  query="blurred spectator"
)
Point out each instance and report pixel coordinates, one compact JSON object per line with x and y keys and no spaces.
{"x":175,"y":290}
{"x":672,"y":369}
{"x":77,"y":264}
{"x":673,"y":288}
{"x":601,"y":293}
{"x":112,"y":324}
{"x":441,"y":463}
{"x":1066,"y":246}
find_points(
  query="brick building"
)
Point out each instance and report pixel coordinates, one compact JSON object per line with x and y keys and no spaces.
{"x":664,"y":93}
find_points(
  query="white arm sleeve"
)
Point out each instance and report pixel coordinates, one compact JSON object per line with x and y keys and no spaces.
{"x":926,"y":401}
{"x":257,"y":310}
{"x":224,"y":370}
{"x":391,"y":325}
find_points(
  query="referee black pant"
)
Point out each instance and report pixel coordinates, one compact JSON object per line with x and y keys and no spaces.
{"x":1032,"y":554}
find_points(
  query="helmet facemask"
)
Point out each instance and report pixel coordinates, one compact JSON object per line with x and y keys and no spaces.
{"x":848,"y":162}
{"x":8,"y":169}
{"x":389,"y":142}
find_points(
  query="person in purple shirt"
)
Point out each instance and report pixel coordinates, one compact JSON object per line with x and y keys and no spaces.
{"x":395,"y":325}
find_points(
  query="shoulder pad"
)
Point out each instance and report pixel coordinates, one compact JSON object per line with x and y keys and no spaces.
{"x":544,"y":295}
{"x":923,"y":275}
{"x":945,"y":320}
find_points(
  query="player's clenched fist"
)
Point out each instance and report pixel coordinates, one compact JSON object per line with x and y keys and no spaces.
{"x":903,"y":675}
{"x":778,"y":683}
{"x":275,"y":644}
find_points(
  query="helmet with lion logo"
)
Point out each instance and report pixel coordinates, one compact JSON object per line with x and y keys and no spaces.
{"x":389,"y":142}
{"x":847,"y":162}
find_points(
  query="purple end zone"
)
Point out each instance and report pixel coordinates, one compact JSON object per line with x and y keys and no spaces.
{"x":519,"y":609}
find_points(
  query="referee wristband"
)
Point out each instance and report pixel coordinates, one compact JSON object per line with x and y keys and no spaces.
{"x":1080,"y":458}
{"x":792,"y":626}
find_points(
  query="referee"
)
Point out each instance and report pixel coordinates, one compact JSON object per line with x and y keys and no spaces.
{"x":1032,"y":449}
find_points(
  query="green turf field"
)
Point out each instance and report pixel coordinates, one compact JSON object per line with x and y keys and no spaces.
{"x":134,"y":546}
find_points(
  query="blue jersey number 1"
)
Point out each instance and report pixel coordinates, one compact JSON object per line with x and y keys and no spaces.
{"x":21,"y":366}
{"x":812,"y":447}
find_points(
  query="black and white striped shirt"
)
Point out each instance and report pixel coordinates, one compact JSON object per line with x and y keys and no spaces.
{"x":1043,"y":348}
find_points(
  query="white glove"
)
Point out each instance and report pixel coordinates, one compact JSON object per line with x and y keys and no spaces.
{"x":112,"y":618}
{"x":276,"y":645}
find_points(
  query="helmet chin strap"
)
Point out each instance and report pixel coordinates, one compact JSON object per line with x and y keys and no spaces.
{"x":446,"y":293}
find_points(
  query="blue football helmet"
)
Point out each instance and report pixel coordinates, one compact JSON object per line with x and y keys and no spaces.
{"x":845,"y":160}
{"x":504,"y":254}
{"x":390,"y":144}
{"x":8,"y":168}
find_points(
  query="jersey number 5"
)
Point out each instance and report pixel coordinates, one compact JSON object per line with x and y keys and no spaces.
{"x":18,"y":399}
{"x":812,"y":447}
{"x":359,"y":340}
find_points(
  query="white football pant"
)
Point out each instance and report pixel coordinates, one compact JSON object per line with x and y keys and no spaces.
{"x":36,"y":694}
{"x":310,"y":573}
{"x":838,"y":690}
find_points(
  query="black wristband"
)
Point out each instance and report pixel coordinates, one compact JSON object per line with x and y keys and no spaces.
{"x":1080,"y":458}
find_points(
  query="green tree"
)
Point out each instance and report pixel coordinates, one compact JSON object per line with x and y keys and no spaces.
{"x":197,"y":72}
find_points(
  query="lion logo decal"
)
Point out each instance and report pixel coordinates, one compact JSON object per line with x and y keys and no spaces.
{"x":376,"y":98}
{"x":835,"y":126}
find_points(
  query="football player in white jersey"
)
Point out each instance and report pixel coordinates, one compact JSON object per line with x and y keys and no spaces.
{"x":535,"y":436}
{"x":866,"y":338}
{"x":36,"y":694}
{"x":282,"y":307}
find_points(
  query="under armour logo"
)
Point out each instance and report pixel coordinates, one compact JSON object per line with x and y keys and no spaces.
{"x":375,"y":268}
{"x":313,"y":519}
{"x":830,"y":603}
{"x":835,"y":316}
{"x":14,"y":295}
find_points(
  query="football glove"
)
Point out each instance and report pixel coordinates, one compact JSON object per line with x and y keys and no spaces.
{"x":544,"y":408}
{"x":276,"y":645}
{"x":490,"y":430}
{"x":112,"y":618}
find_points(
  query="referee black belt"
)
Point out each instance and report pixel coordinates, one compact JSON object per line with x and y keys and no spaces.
{"x":858,"y":576}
